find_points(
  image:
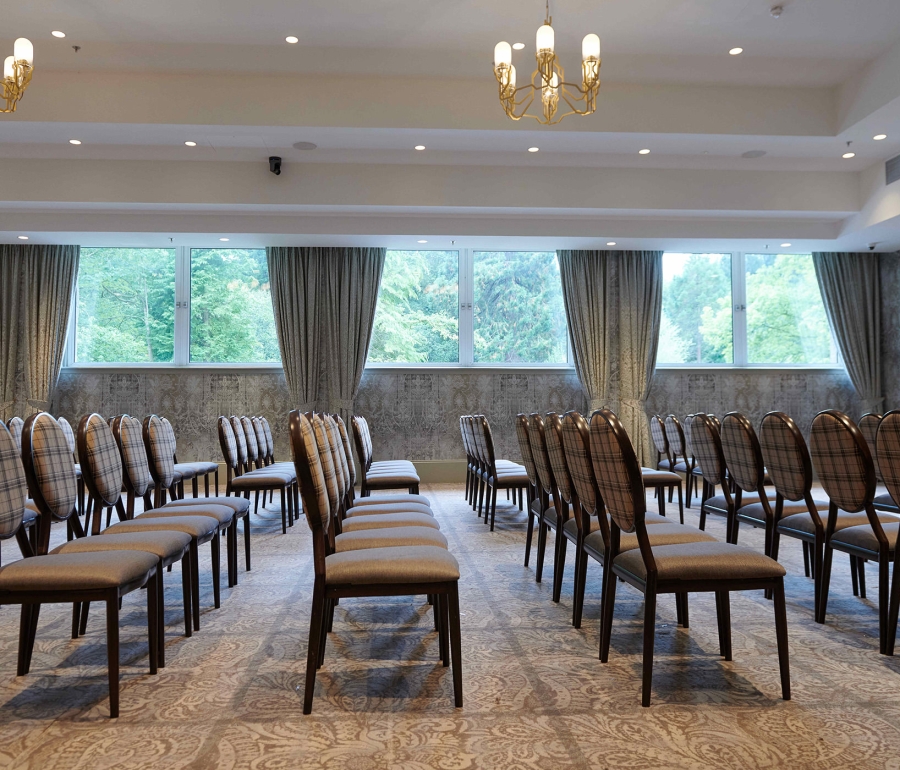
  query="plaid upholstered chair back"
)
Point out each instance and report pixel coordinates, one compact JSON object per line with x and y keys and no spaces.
{"x":786,"y":456}
{"x":49,"y":467}
{"x":675,"y":436}
{"x":253,"y":451}
{"x":708,"y":449}
{"x":161,"y":451}
{"x":68,"y":432}
{"x":473,"y":441}
{"x":743,"y":456}
{"x":363,"y":448}
{"x":15,"y":429}
{"x":337,"y":454}
{"x":887,"y":442}
{"x":715,"y":421}
{"x":270,"y":439}
{"x":842,"y":461}
{"x":525,"y":448}
{"x":488,"y":439}
{"x":464,"y":436}
{"x":658,"y":435}
{"x":556,"y":453}
{"x":868,"y":426}
{"x":101,"y":461}
{"x":261,"y":443}
{"x":617,"y":471}
{"x":576,"y":441}
{"x":686,"y":428}
{"x":326,"y":460}
{"x":316,"y":505}
{"x":240,"y":439}
{"x":348,"y":451}
{"x":13,"y":487}
{"x":130,"y":438}
{"x":539,"y":453}
{"x":227,"y":442}
{"x":480,"y":442}
{"x":171,"y":433}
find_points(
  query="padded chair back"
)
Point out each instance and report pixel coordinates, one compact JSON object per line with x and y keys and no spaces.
{"x":576,"y":442}
{"x":842,"y":461}
{"x":240,"y":439}
{"x":49,"y":467}
{"x":617,"y":471}
{"x":15,"y":426}
{"x":525,"y":448}
{"x":326,"y":461}
{"x":715,"y":421}
{"x":160,"y":444}
{"x":686,"y":429}
{"x":228,"y":442}
{"x":868,"y":426}
{"x":129,"y":436}
{"x":13,"y":486}
{"x":170,"y":431}
{"x":340,"y":457}
{"x":887,"y":441}
{"x":478,"y":422}
{"x":556,"y":453}
{"x":69,"y":433}
{"x":253,"y":452}
{"x":465,"y":438}
{"x":708,"y":449}
{"x":538,"y":443}
{"x":262,"y":444}
{"x":101,"y":462}
{"x":473,"y":441}
{"x":743,"y":456}
{"x":675,"y":437}
{"x":658,"y":435}
{"x":363,"y":441}
{"x":348,"y":451}
{"x":786,"y":456}
{"x":316,"y":505}
{"x":270,"y":439}
{"x":488,"y":441}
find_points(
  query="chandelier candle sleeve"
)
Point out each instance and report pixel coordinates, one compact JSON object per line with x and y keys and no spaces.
{"x":502,"y":54}
{"x":545,"y":38}
{"x":17,"y":71}
{"x":8,"y":66}
{"x":23,"y":50}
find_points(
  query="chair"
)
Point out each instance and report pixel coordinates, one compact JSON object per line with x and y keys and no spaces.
{"x":868,"y":426}
{"x":384,"y":474}
{"x":15,"y":520}
{"x":470,"y":459}
{"x":66,"y":578}
{"x":847,"y":473}
{"x":534,"y":500}
{"x":192,"y":470}
{"x":70,"y":440}
{"x":694,"y":476}
{"x":661,"y":443}
{"x":663,"y":477}
{"x":390,"y":571}
{"x":680,"y":569}
{"x":499,"y":474}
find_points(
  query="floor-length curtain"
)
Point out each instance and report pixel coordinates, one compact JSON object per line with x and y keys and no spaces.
{"x":851,"y":291}
{"x":640,"y":308}
{"x":324,"y":301}
{"x":586,"y":282}
{"x":38,"y":283}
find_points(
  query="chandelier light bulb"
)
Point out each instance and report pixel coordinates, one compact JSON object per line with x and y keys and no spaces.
{"x":544,"y":39}
{"x":8,"y":66}
{"x":502,"y":54}
{"x":23,"y":50}
{"x":590,"y":47}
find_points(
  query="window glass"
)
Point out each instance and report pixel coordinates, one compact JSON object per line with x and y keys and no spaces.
{"x":696,"y":325}
{"x":126,"y":306}
{"x":519,"y":316}
{"x":232,"y":320}
{"x":786,"y":321}
{"x":417,"y":317}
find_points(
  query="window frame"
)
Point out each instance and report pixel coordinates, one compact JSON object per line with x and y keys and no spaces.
{"x":739,"y":327}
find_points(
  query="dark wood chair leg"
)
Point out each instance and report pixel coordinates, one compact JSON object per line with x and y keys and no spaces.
{"x":559,"y":563}
{"x":283,"y":513}
{"x":76,"y":618}
{"x":894,"y":610}
{"x":528,"y":535}
{"x":186,"y":593}
{"x":112,"y":651}
{"x":27,"y":626}
{"x":153,"y":620}
{"x":608,"y":601}
{"x":861,"y":574}
{"x":781,"y":632}
{"x":806,"y":564}
{"x":216,"y":570}
{"x":883,"y":600}
{"x":494,"y":506}
{"x":680,"y":504}
{"x":541,"y":548}
{"x":581,"y":564}
{"x":723,"y":613}
{"x":649,"y":640}
{"x":247,"y":541}
{"x":822,"y":609}
{"x":195,"y":583}
{"x":455,"y":644}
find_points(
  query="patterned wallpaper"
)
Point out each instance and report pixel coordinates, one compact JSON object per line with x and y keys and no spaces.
{"x":890,"y":329}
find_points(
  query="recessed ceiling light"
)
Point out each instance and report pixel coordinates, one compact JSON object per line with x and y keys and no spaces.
{"x":518,"y":46}
{"x":785,"y":245}
{"x":224,"y":240}
{"x":291,"y":39}
{"x":610,"y":243}
{"x":753,"y":154}
{"x":420,"y":147}
{"x":74,"y":141}
{"x":57,"y":33}
{"x":533,"y":149}
{"x":190,"y":144}
{"x":304,"y":146}
{"x":736,"y":51}
{"x":645,"y":151}
{"x":422,"y":241}
{"x":879,"y":137}
{"x":849,"y":155}
{"x":23,"y":237}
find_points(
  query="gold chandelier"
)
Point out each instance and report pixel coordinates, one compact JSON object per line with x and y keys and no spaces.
{"x":548,"y":79}
{"x":17,"y":70}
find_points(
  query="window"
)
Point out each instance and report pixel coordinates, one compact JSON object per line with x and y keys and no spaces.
{"x":519,"y":315}
{"x":470,"y":307}
{"x":125,"y":309}
{"x":743,"y":309}
{"x":231,"y":307}
{"x":417,"y":317}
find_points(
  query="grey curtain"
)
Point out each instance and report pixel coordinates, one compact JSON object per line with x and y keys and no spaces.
{"x":38,"y":283}
{"x":851,"y":291}
{"x":640,"y":308}
{"x":586,"y":288}
{"x":324,"y":301}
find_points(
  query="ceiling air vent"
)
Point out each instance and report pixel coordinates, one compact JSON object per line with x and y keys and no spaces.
{"x":892,"y":170}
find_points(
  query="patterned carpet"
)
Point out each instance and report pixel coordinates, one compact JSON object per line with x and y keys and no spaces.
{"x":535,"y":694}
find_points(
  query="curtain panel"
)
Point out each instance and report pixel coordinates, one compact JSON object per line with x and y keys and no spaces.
{"x":37,"y":284}
{"x":324,"y":301}
{"x":850,"y":284}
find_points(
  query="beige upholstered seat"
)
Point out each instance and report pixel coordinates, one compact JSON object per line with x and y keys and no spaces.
{"x":571,"y":526}
{"x":371,"y":510}
{"x":702,"y":561}
{"x":864,"y":537}
{"x":391,"y":500}
{"x":664,"y":534}
{"x":164,"y":544}
{"x":221,"y":513}
{"x":389,"y":537}
{"x":390,"y":520}
{"x":196,"y":526}
{"x":77,"y":571}
{"x":755,"y":510}
{"x":413,"y":564}
{"x":803,"y":522}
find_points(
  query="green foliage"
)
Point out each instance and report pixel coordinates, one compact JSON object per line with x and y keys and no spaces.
{"x":417,"y":318}
{"x":519,"y":316}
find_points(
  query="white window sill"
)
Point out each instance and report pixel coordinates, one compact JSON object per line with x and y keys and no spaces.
{"x":756,"y":368}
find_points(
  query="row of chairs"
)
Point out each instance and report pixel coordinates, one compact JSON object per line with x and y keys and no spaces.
{"x":380,"y":474}
{"x":388,"y":545}
{"x":118,"y":559}
{"x":485,"y":474}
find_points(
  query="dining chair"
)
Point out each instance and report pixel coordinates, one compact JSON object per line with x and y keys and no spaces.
{"x":16,"y":519}
{"x":868,"y":426}
{"x":708,"y":566}
{"x":533,"y":498}
{"x":499,"y":474}
{"x":552,"y":511}
{"x":192,"y":470}
{"x":381,"y":474}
